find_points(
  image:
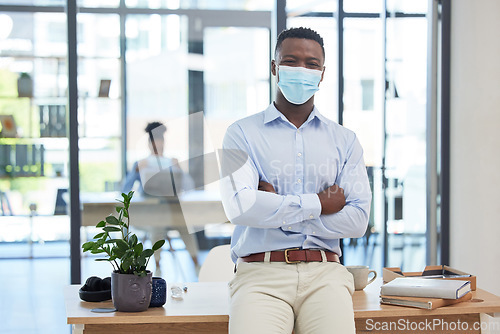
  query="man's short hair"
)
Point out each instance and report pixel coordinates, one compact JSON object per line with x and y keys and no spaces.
{"x":300,"y":32}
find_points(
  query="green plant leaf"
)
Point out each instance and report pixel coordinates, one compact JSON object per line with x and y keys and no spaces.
{"x":98,"y":251}
{"x":138,"y":249}
{"x":159,"y":244}
{"x":111,"y":220}
{"x":102,"y":223}
{"x":147,"y":253}
{"x":141,"y":261}
{"x":98,"y":235}
{"x":129,"y":253}
{"x":126,"y":199}
{"x":102,"y":260}
{"x":132,"y":241}
{"x":112,"y":240}
{"x":119,"y":253}
{"x":88,"y":246}
{"x":111,"y":229}
{"x":121,"y":244}
{"x":126,"y":264}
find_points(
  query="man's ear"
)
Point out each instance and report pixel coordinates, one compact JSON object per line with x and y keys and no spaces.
{"x":322,"y":74}
{"x":273,"y":67}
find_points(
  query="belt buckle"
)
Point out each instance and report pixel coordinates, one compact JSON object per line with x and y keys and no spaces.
{"x":286,"y":255}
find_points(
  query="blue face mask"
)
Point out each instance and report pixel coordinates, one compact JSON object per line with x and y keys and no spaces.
{"x":298,"y":84}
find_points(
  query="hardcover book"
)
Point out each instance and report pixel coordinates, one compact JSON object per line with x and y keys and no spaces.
{"x":425,"y":287}
{"x":423,"y":302}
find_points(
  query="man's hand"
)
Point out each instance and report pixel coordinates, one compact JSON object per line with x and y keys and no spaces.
{"x":332,"y":199}
{"x":266,"y":186}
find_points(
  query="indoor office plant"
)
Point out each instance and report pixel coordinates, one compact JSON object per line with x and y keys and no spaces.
{"x":24,"y":85}
{"x":130,"y":281}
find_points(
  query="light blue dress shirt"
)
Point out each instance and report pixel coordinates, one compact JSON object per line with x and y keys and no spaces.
{"x":299,"y":163}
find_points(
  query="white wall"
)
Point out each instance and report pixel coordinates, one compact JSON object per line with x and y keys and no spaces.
{"x":475,"y":140}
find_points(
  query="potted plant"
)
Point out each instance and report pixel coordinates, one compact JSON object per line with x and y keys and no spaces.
{"x":130,"y":280}
{"x":24,"y":85}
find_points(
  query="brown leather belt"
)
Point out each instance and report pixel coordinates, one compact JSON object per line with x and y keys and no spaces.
{"x":293,"y":255}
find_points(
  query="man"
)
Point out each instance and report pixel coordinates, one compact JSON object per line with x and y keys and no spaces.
{"x":295,"y":184}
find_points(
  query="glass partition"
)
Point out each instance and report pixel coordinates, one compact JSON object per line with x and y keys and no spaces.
{"x":99,"y":105}
{"x":202,"y":4}
{"x":236,"y":83}
{"x":34,"y":2}
{"x":98,"y":3}
{"x":363,"y":6}
{"x":33,"y":138}
{"x":363,"y":113}
{"x":407,"y":6}
{"x":157,"y":82}
{"x":406,"y":141}
{"x":296,"y":8}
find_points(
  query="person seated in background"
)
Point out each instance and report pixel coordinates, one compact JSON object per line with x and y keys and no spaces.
{"x":150,"y":167}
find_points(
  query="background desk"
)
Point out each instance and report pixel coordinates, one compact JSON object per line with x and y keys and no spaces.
{"x":194,"y":210}
{"x":205,"y":309}
{"x":188,"y":214}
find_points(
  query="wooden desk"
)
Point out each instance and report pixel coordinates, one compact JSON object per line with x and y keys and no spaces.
{"x":195,"y":209}
{"x":205,"y":309}
{"x":373,"y":317}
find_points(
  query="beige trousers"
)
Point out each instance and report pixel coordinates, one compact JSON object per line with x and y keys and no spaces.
{"x":276,"y":298}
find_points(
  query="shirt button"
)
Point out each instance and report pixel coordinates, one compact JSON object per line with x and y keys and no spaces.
{"x":299,"y":181}
{"x":284,"y":222}
{"x":314,"y":232}
{"x":299,"y":154}
{"x":289,"y":227}
{"x":311,"y":216}
{"x":298,"y":130}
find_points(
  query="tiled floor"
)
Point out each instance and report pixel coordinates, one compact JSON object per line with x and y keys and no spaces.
{"x":31,"y":290}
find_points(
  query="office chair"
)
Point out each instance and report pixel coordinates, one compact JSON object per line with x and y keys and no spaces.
{"x":218,"y":266}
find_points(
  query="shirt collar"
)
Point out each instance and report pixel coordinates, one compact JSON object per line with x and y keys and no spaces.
{"x":272,"y":113}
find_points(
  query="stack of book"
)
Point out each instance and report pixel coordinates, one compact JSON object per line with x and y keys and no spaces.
{"x":426,"y":293}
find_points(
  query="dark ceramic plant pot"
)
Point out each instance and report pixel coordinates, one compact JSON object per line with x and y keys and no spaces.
{"x":131,"y":293}
{"x":159,"y":294}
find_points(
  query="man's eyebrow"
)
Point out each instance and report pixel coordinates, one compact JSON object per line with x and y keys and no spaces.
{"x":294,"y":57}
{"x":313,"y":58}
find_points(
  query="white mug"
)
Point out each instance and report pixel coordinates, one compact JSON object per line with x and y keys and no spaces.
{"x":360,"y":275}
